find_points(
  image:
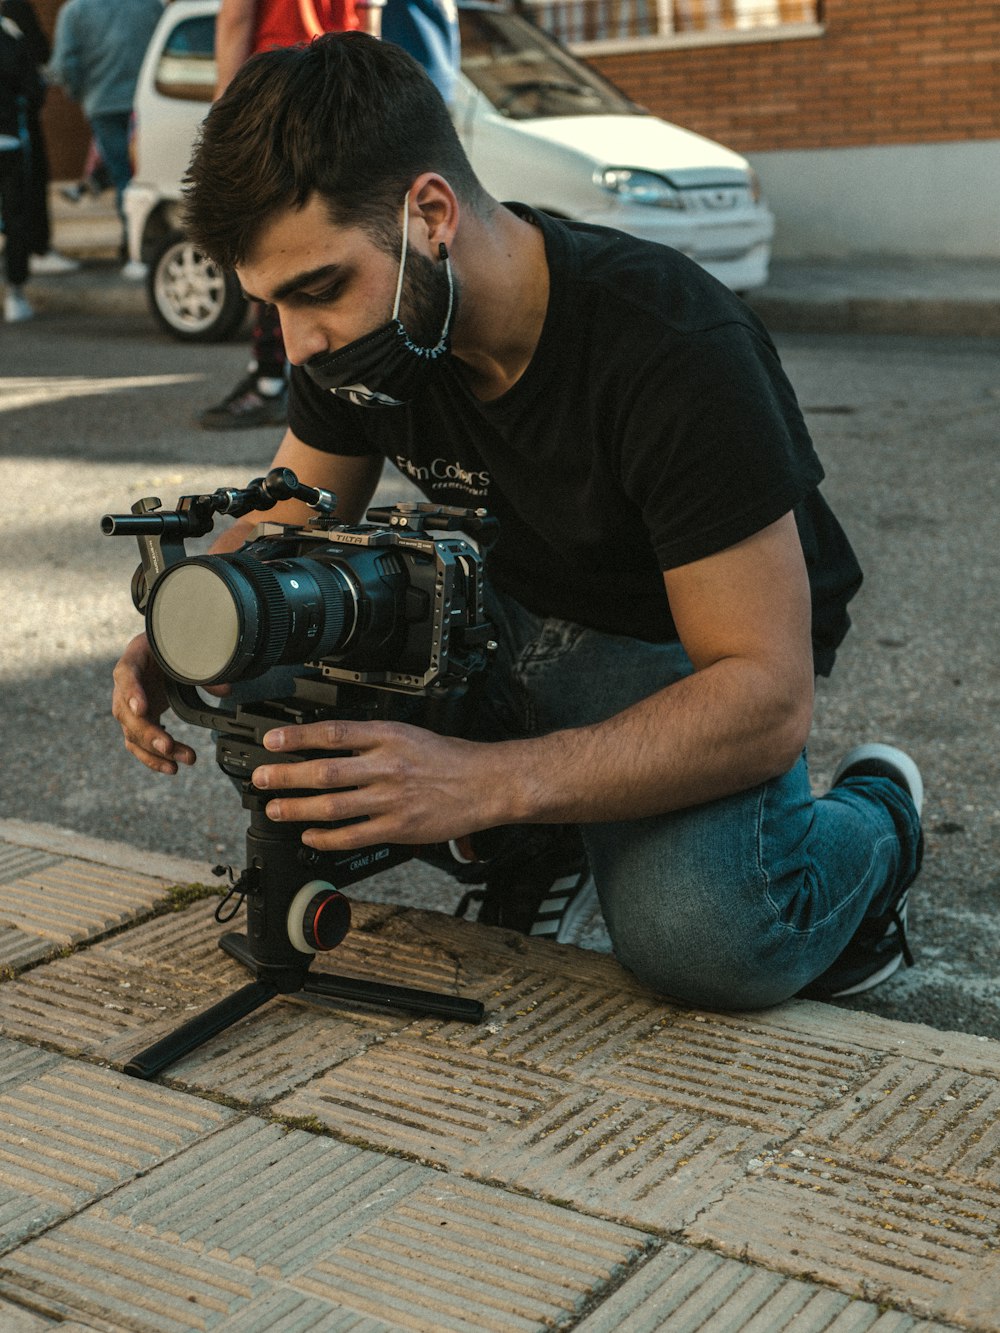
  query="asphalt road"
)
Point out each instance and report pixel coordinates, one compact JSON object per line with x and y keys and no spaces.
{"x":95,"y":413}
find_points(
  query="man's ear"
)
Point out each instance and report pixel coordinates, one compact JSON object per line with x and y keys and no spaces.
{"x":434,"y":204}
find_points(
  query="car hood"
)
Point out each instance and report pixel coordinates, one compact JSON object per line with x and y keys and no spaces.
{"x":641,"y":141}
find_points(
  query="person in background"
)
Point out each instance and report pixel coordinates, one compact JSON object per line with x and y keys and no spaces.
{"x":426,"y":29}
{"x":242,"y":28}
{"x":43,"y":259}
{"x":97,"y":54}
{"x":20,"y":90}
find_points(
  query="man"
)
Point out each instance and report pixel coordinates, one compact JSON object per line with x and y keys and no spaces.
{"x":242,"y":28}
{"x":20,"y":91}
{"x":428,"y":29}
{"x":97,"y":54}
{"x":44,"y":260}
{"x":667,"y":576}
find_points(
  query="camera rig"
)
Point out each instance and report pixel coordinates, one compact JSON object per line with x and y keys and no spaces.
{"x":382,"y":619}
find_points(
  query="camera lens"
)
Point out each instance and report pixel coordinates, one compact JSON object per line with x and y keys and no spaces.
{"x":231,"y":617}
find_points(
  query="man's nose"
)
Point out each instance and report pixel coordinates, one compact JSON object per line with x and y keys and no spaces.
{"x":302,"y":336}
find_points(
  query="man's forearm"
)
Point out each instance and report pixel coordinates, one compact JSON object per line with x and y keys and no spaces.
{"x":722,"y":730}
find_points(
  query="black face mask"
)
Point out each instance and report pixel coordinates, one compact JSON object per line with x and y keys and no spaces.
{"x":385,"y":368}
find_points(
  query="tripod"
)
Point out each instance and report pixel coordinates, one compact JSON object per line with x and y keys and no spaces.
{"x":284,"y":912}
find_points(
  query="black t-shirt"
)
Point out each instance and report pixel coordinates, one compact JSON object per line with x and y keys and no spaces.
{"x":653,"y":426}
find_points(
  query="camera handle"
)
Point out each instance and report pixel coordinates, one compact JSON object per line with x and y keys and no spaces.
{"x":283,"y":889}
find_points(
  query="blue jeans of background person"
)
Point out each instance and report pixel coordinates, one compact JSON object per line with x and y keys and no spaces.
{"x":111,"y":134}
{"x":735,"y":904}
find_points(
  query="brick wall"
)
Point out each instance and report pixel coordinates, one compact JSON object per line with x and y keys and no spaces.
{"x":895,"y":72}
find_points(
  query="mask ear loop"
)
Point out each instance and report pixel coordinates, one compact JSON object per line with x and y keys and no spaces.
{"x":443,"y":254}
{"x":402,"y":256}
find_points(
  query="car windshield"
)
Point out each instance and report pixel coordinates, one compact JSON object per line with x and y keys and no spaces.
{"x":526,"y":75}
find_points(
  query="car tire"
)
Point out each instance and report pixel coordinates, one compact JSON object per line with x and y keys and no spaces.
{"x":190,"y":296}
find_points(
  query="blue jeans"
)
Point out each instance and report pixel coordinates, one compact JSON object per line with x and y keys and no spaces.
{"x":736,"y":904}
{"x":111,"y":134}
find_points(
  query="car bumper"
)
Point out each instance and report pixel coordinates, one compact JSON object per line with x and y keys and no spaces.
{"x":737,"y":251}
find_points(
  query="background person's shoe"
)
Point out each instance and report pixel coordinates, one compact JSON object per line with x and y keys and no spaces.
{"x":16,"y":309}
{"x":246,"y":407}
{"x":52,"y":263}
{"x":879,"y":945}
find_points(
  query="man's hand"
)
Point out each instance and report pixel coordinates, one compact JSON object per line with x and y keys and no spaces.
{"x":408,"y":785}
{"x":138,"y":702}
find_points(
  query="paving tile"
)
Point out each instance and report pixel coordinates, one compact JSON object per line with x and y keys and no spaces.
{"x":458,"y":1255}
{"x":423,"y":1099}
{"x":882,"y":1232}
{"x":509,"y":951}
{"x":283,"y":1045}
{"x":72,"y":1132}
{"x":20,"y":1063}
{"x":20,"y":949}
{"x":93,"y":1003}
{"x":769,"y":1079}
{"x":260,"y":1196}
{"x":923,"y":1115}
{"x":825,"y":1022}
{"x":16,"y":862}
{"x":287,"y":1311}
{"x":15,"y":1319}
{"x":91,"y":1268}
{"x":65,"y":902}
{"x":347,"y":1239}
{"x":554,"y":1023}
{"x":694,"y":1291}
{"x":648,"y":1165}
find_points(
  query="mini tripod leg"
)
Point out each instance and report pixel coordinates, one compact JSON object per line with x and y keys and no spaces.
{"x":434,"y":1003}
{"x":189,"y":1036}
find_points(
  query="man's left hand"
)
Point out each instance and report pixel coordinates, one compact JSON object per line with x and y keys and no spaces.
{"x":406,"y":784}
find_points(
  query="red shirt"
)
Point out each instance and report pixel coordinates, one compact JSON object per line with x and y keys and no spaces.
{"x":291,"y":22}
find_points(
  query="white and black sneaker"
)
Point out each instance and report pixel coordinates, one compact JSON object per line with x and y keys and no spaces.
{"x":879,"y":945}
{"x":534,"y":879}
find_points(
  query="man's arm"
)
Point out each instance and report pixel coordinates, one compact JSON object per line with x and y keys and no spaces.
{"x":740,"y":719}
{"x":235,"y":25}
{"x":139,"y":699}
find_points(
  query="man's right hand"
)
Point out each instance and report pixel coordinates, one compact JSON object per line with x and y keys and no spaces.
{"x":138,"y":702}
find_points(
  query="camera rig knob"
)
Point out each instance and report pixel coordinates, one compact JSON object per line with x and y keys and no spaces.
{"x":318,"y":918}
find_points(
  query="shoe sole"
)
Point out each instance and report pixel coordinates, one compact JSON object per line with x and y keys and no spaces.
{"x":871,"y":982}
{"x":891,"y":757}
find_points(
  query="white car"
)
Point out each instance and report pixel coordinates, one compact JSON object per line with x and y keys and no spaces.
{"x":539,"y":127}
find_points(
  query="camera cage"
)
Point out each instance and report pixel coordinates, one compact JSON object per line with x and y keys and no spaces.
{"x":292,"y":914}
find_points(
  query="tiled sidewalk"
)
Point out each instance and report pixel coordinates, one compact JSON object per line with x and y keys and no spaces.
{"x":589,"y":1157}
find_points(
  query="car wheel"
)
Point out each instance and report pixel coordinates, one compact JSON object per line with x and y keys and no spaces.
{"x":190,"y":296}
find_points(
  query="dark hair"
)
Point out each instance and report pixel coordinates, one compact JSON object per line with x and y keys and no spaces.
{"x":347,"y":117}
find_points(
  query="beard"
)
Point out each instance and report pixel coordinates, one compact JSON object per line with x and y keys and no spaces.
{"x":424,"y":305}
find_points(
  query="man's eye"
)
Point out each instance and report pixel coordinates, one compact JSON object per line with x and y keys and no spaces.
{"x":325,"y":295}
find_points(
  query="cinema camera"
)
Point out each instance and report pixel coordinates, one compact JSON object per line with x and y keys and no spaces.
{"x":379,"y":620}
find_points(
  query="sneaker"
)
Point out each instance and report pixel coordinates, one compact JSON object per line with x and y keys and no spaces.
{"x":246,"y":407}
{"x":537,"y":882}
{"x":16,"y":309}
{"x":51,"y":263}
{"x":134,"y":271}
{"x":879,"y":945}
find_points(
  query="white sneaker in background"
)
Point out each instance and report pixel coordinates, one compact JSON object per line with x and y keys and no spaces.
{"x":16,"y":309}
{"x":52,"y":263}
{"x":134,"y":271}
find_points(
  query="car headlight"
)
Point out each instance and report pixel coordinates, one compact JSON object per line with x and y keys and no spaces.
{"x":638,"y":187}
